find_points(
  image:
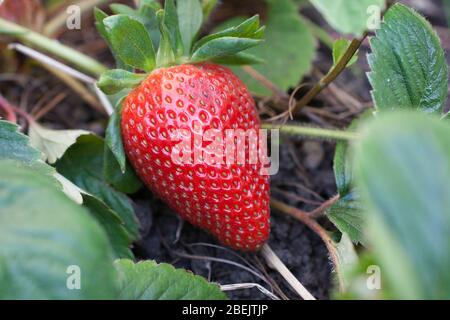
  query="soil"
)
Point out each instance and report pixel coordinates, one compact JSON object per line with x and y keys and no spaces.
{"x":304,"y":181}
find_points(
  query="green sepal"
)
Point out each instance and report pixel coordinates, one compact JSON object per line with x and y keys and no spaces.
{"x":165,"y":55}
{"x":240,"y":58}
{"x":173,"y":27}
{"x":130,"y":41}
{"x":115,"y":80}
{"x":223,"y":46}
{"x":113,"y":137}
{"x":99,"y":16}
{"x":250,"y":28}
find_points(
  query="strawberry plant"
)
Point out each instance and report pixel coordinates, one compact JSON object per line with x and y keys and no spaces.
{"x":234,"y":123}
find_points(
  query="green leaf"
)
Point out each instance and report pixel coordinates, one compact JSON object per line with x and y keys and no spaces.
{"x":166,"y":53}
{"x":207,"y":7}
{"x":147,"y":15}
{"x":112,"y":224}
{"x":99,"y":17}
{"x":52,"y":143}
{"x":113,"y":137}
{"x":130,"y":41}
{"x":15,"y":145}
{"x":347,"y":258}
{"x":343,"y":169}
{"x":342,"y":162}
{"x":403,"y":173}
{"x":115,"y":80}
{"x":240,"y":58}
{"x":149,"y":280}
{"x":173,"y":27}
{"x":119,"y":8}
{"x":409,"y":69}
{"x":348,"y":16}
{"x":126,"y":182}
{"x":223,"y":46}
{"x":340,"y":46}
{"x":348,"y":215}
{"x":240,"y":28}
{"x":288,"y":38}
{"x":42,"y":234}
{"x":190,"y":17}
{"x":83,"y":165}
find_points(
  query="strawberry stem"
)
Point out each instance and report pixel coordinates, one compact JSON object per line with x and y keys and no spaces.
{"x":312,"y":132}
{"x":334,"y":72}
{"x":274,"y":262}
{"x":52,"y":46}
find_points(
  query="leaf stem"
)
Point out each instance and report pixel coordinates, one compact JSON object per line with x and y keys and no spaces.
{"x":12,"y":110}
{"x":312,"y":132}
{"x":9,"y":112}
{"x":334,"y":72}
{"x":54,"y":47}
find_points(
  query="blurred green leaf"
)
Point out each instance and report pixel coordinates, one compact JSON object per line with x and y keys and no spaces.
{"x":408,"y":65}
{"x":347,"y":258}
{"x":130,"y":41}
{"x":119,"y":8}
{"x":148,"y":280}
{"x":403,"y":173}
{"x":348,"y":16}
{"x":43,"y":234}
{"x":207,"y":7}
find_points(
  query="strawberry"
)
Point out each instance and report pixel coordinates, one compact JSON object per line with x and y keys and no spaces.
{"x":230,"y":201}
{"x":182,"y":91}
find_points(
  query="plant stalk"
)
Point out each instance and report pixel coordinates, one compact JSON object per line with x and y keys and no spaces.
{"x":312,"y":132}
{"x":54,"y":47}
{"x":331,"y":75}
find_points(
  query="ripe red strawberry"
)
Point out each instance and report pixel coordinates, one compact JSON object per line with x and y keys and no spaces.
{"x":230,"y":201}
{"x":180,"y":90}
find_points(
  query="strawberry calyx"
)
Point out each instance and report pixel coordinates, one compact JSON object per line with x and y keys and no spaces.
{"x":151,"y":37}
